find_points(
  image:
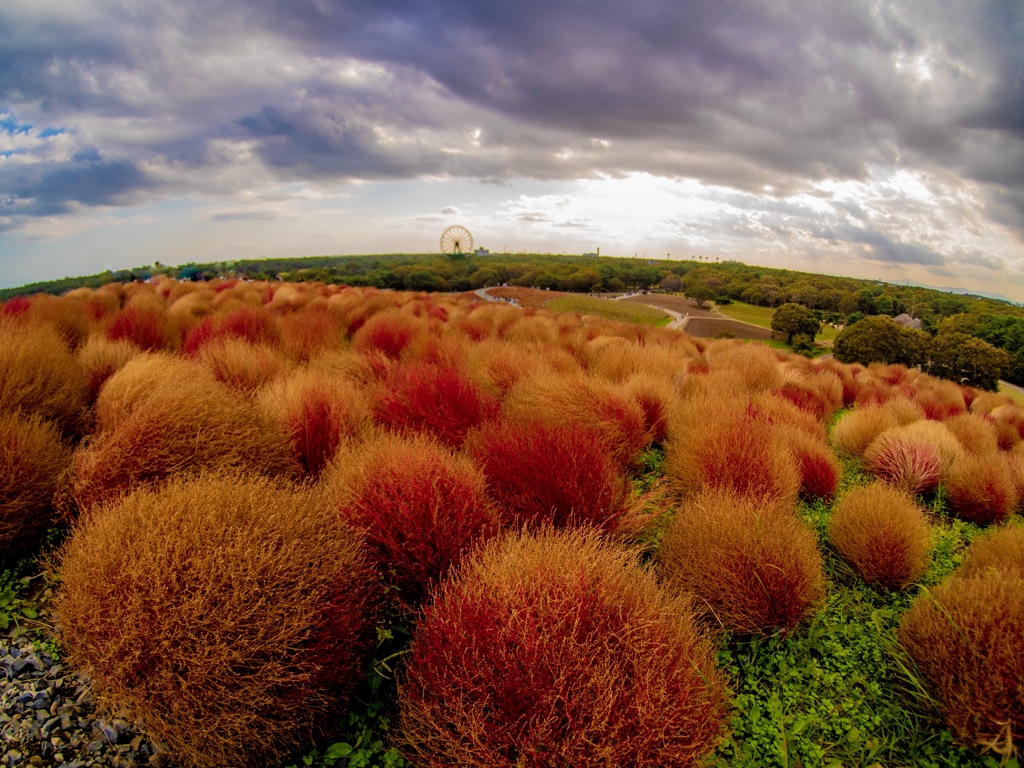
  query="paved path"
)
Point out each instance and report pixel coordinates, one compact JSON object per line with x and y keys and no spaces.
{"x":483,"y":294}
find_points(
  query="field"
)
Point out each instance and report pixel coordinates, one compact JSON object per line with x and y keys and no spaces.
{"x":762,"y":316}
{"x":287,"y":525}
{"x":609,"y":309}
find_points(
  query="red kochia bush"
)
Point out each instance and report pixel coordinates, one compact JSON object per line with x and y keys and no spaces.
{"x":753,"y":565}
{"x":145,"y":327}
{"x":231,"y":615}
{"x":967,"y":637}
{"x":436,"y":399}
{"x":559,"y":475}
{"x":419,"y":505}
{"x":819,"y":469}
{"x":882,"y":533}
{"x":558,"y":649}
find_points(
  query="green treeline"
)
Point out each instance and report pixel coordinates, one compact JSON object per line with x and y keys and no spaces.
{"x":841,"y":301}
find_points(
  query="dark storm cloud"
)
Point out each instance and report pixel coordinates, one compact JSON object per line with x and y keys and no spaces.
{"x":740,"y":93}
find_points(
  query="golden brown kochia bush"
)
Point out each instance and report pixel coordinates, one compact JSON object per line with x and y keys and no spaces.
{"x":882,"y":533}
{"x":981,"y":489}
{"x":33,"y":466}
{"x":242,"y":365}
{"x":974,"y":432}
{"x":1000,"y":550}
{"x":753,"y":566}
{"x":599,"y":406}
{"x":558,"y":649}
{"x":967,"y":637}
{"x":39,"y":375}
{"x":148,"y":378}
{"x":198,"y":426}
{"x":232,"y":616}
{"x":100,"y":358}
{"x":855,"y":431}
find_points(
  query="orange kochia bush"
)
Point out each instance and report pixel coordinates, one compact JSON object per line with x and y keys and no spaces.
{"x":557,"y":648}
{"x":882,"y":533}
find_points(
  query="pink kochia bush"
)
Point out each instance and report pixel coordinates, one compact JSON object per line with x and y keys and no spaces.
{"x":558,"y":649}
{"x":907,"y":460}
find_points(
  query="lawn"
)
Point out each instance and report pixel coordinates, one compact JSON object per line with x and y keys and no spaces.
{"x":624,"y":311}
{"x":762,"y":316}
{"x":1011,"y":392}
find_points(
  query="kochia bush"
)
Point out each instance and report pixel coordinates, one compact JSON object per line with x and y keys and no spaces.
{"x":753,"y":565}
{"x":419,"y":505}
{"x":559,"y":649}
{"x":882,"y":533}
{"x":232,"y":615}
{"x":559,"y":475}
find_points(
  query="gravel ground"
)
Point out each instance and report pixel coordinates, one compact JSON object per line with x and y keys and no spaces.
{"x":47,"y":717}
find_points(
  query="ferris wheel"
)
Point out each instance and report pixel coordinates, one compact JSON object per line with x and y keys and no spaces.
{"x":456,"y":240}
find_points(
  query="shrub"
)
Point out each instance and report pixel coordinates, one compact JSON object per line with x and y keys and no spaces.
{"x":753,"y":565}
{"x":1000,"y":549}
{"x":817,"y":464}
{"x":909,"y":462}
{"x":731,"y":446}
{"x":436,"y":399}
{"x":966,"y":637}
{"x":145,"y":378}
{"x":551,"y":474}
{"x":936,"y":434}
{"x":100,"y":358}
{"x":973,"y":432}
{"x":656,"y":398}
{"x":600,"y":406}
{"x":856,"y":430}
{"x":144,"y":326}
{"x":202,"y":426}
{"x":317,"y":411}
{"x":251,"y":324}
{"x":39,"y":375}
{"x":420,"y":506}
{"x":559,"y":649}
{"x":309,"y":332}
{"x":232,"y":616}
{"x":882,"y":533}
{"x":390,"y":332}
{"x":756,"y":365}
{"x":33,"y":462}
{"x":242,"y":365}
{"x":980,"y":489}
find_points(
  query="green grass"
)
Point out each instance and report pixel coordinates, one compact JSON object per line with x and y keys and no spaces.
{"x":1011,"y":393}
{"x":623,"y":311}
{"x":748,"y":313}
{"x":762,"y":316}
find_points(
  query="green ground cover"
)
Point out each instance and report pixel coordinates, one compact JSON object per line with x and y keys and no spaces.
{"x":623,"y":311}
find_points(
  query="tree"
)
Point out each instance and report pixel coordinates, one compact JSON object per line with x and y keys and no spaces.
{"x":700,"y":293}
{"x":968,"y":360}
{"x":795,"y":320}
{"x":883,"y":340}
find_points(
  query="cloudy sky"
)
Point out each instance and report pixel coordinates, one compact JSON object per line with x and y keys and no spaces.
{"x":868,"y":138}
